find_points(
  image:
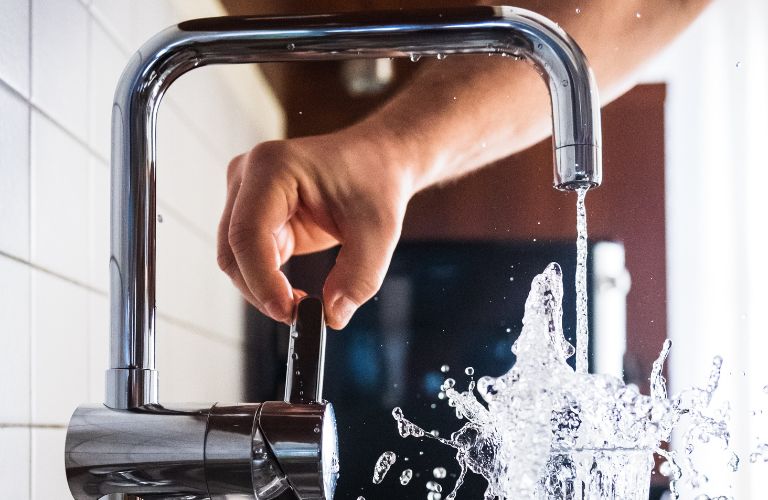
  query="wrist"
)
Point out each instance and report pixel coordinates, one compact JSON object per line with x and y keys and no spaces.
{"x":397,"y":150}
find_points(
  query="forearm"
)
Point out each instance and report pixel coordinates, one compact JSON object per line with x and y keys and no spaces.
{"x":467,"y":111}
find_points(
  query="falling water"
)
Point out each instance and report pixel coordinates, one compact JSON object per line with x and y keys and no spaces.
{"x":582,"y":318}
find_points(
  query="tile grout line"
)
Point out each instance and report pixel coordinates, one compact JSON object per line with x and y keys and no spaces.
{"x":199,"y":330}
{"x":81,"y":142}
{"x":55,"y":274}
{"x":88,"y":125}
{"x":30,"y":41}
{"x":21,"y":425}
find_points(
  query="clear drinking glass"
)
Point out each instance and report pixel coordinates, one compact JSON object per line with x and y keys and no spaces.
{"x":597,"y":474}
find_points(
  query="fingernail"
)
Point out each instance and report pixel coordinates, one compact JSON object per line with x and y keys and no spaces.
{"x":274,"y":310}
{"x":343,"y":309}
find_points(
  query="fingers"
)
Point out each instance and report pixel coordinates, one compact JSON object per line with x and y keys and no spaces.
{"x":224,"y":256}
{"x":359,"y":269}
{"x":258,"y":241}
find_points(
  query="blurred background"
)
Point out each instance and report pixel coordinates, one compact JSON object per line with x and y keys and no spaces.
{"x":678,"y":231}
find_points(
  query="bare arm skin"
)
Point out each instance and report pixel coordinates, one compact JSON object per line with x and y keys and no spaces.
{"x":352,"y":186}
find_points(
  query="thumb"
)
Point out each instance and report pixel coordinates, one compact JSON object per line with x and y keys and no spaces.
{"x":359,"y":269}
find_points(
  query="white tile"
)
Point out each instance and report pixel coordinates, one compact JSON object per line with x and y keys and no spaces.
{"x":195,"y":368}
{"x":14,"y":44}
{"x":49,"y":481}
{"x":189,"y":177}
{"x":98,"y":343}
{"x":59,"y":200}
{"x":14,"y":174}
{"x":151,"y":17}
{"x":98,"y":232}
{"x":190,"y":286}
{"x":59,"y":348}
{"x":14,"y":341}
{"x":106,"y":65}
{"x":60,"y":62}
{"x":14,"y":462}
{"x":117,"y":17}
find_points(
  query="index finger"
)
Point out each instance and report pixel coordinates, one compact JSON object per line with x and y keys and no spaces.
{"x":258,"y":231}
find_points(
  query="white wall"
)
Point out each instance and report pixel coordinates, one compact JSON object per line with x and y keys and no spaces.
{"x":59,"y":62}
{"x":717,"y":221}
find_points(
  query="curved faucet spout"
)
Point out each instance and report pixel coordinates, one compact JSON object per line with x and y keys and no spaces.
{"x":132,"y":380}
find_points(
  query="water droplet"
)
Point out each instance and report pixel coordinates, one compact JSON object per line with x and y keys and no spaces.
{"x":540,"y":46}
{"x":434,"y":486}
{"x":406,"y":476}
{"x":445,"y":368}
{"x":433,"y":495}
{"x":160,"y":218}
{"x":565,"y":83}
{"x":738,"y":64}
{"x":637,"y":15}
{"x":317,"y":430}
{"x":298,"y":372}
{"x":469,"y":371}
{"x":733,"y":463}
{"x":440,"y":57}
{"x":414,"y":57}
{"x":435,"y":433}
{"x":765,"y":389}
{"x":439,"y":472}
{"x":578,"y":10}
{"x":509,"y":330}
{"x":361,"y":497}
{"x":295,"y":355}
{"x":291,"y":46}
{"x":383,"y":464}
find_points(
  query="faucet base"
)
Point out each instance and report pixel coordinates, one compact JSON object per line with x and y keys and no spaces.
{"x":142,"y":384}
{"x":203,"y":451}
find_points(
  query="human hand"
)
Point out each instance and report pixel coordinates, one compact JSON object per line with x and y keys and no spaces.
{"x":308,"y":194}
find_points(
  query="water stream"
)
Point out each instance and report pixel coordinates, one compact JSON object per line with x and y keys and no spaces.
{"x":582,"y":307}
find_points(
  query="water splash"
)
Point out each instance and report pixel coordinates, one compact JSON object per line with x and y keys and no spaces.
{"x":406,"y":476}
{"x":383,"y":464}
{"x":543,"y":430}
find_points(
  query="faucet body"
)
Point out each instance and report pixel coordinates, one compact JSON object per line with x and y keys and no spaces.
{"x":131,"y":407}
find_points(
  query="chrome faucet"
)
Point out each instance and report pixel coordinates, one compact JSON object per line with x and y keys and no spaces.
{"x":133,"y":445}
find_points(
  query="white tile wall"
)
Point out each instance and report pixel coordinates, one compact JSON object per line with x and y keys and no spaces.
{"x":59,"y":348}
{"x":59,"y":200}
{"x":14,"y":341}
{"x":49,"y":481}
{"x":59,"y":64}
{"x":15,"y":462}
{"x":14,"y":169}
{"x":14,"y":44}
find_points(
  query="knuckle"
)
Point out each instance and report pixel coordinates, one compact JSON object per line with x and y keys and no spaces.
{"x":365,"y":287}
{"x":239,"y":237}
{"x":233,"y":169}
{"x":266,"y":152}
{"x":226,"y":262}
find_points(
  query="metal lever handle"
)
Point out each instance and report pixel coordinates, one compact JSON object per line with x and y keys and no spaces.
{"x":306,"y":353}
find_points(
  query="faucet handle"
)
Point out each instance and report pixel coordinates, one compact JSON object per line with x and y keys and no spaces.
{"x":306,"y":353}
